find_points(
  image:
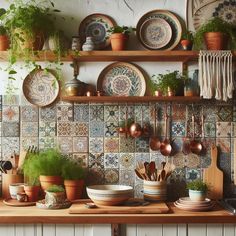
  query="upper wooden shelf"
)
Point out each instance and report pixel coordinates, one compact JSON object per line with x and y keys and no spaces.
{"x":181,"y":56}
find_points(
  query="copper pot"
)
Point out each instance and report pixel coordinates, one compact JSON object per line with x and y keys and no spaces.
{"x":135,"y":130}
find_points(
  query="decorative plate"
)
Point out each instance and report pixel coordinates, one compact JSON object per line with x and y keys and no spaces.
{"x":155,"y":33}
{"x":194,"y":208}
{"x":40,"y":87}
{"x":170,"y":18}
{"x":121,"y":79}
{"x":96,"y":26}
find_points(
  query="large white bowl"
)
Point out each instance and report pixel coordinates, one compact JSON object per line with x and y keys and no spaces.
{"x":109,"y":195}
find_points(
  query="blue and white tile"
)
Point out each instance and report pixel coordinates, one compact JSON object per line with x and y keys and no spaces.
{"x":142,"y":144}
{"x":47,"y":143}
{"x":96,"y":160}
{"x":29,"y":129}
{"x":111,"y":129}
{"x":48,"y":114}
{"x":81,"y":113}
{"x":111,"y":160}
{"x":47,"y":129}
{"x":65,"y":113}
{"x":209,"y":129}
{"x":96,"y":129}
{"x":111,"y":113}
{"x":29,"y":113}
{"x":96,"y":145}
{"x":126,"y":109}
{"x":192,"y":174}
{"x":96,"y":113}
{"x":178,"y":129}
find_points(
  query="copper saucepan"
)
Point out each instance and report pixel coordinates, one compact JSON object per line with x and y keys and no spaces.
{"x":195,"y":146}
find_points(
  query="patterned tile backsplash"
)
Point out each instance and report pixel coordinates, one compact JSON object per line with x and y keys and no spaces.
{"x":87,"y":133}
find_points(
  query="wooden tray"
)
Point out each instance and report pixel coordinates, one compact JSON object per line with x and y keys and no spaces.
{"x":15,"y":203}
{"x":152,"y":208}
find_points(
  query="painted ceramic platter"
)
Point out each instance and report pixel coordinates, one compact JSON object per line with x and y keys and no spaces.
{"x":121,"y":79}
{"x":41,"y":87}
{"x":155,"y":33}
{"x":96,"y":26}
{"x":167,"y":16}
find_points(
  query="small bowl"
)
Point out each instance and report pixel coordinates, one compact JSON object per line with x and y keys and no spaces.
{"x":109,"y":195}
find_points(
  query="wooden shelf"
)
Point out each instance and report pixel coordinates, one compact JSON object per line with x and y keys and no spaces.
{"x":144,"y":99}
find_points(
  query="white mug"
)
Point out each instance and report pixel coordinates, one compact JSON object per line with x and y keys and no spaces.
{"x":16,"y":188}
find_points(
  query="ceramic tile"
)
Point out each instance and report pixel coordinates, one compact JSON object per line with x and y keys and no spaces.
{"x":126,"y":177}
{"x":111,"y":176}
{"x":65,"y":144}
{"x":128,"y":109}
{"x":64,"y":128}
{"x":195,"y":110}
{"x":178,"y":129}
{"x":81,"y":113}
{"x":24,"y":101}
{"x":234,"y":113}
{"x":158,"y":158}
{"x":47,"y":129}
{"x":233,"y":131}
{"x":96,"y":145}
{"x":81,"y":159}
{"x":29,"y":113}
{"x":205,"y":161}
{"x":225,"y":113}
{"x":177,"y":144}
{"x":223,"y":129}
{"x":0,"y":130}
{"x":138,"y":190}
{"x":10,"y":100}
{"x":198,"y":129}
{"x":142,"y":113}
{"x":179,"y":160}
{"x":209,"y":129}
{"x":111,"y":113}
{"x":127,"y":144}
{"x":48,"y":114}
{"x":178,"y":112}
{"x":141,"y":157}
{"x":96,"y":129}
{"x":29,"y":129}
{"x":178,"y":175}
{"x":10,"y":113}
{"x":225,"y":166}
{"x":111,"y":129}
{"x":29,"y":141}
{"x":142,"y":145}
{"x":210,"y":113}
{"x":96,"y":113}
{"x":65,"y":113}
{"x":223,"y":144}
{"x":192,"y":174}
{"x":49,"y":142}
{"x":96,"y":160}
{"x":9,"y":146}
{"x":111,"y":145}
{"x":95,"y":176}
{"x":111,"y":160}
{"x":80,"y":129}
{"x":80,"y":144}
{"x":192,"y":161}
{"x":126,"y":161}
{"x":10,"y":129}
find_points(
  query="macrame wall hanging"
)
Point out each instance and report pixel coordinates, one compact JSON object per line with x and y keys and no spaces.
{"x":216,"y":74}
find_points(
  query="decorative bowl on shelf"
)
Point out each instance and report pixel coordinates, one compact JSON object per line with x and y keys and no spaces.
{"x":109,"y":195}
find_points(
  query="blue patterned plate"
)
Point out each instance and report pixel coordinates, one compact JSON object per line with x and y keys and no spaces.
{"x":96,"y":26}
{"x":121,"y":79}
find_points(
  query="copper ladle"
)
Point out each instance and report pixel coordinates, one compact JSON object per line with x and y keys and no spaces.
{"x":155,"y":142}
{"x":166,"y":147}
{"x":195,"y":146}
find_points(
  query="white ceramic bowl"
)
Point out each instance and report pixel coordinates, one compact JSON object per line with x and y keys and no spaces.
{"x":109,"y":195}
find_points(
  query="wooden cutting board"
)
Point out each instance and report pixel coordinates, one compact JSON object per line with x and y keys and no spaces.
{"x":213,"y":176}
{"x":152,"y":208}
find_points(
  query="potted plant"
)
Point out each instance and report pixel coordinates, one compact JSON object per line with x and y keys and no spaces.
{"x":55,"y":195}
{"x":73,"y":175}
{"x":216,"y":33}
{"x":187,"y":40}
{"x":4,"y":40}
{"x":197,"y":190}
{"x":119,"y":36}
{"x":169,"y":84}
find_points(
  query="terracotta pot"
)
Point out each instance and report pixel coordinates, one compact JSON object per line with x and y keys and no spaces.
{"x":186,"y":44}
{"x":32,"y":192}
{"x":74,"y":189}
{"x":216,"y":41}
{"x":118,"y":41}
{"x":47,"y":181}
{"x":4,"y":42}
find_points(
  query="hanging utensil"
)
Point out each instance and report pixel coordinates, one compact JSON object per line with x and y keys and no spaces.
{"x":195,"y":146}
{"x":155,"y":142}
{"x":135,"y":130}
{"x":145,"y":126}
{"x":186,"y":143}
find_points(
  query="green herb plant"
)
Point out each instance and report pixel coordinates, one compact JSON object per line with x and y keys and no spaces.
{"x":198,"y":185}
{"x":55,"y":189}
{"x":121,"y":29}
{"x":3,"y":30}
{"x":73,"y":171}
{"x":215,"y":24}
{"x":187,"y":35}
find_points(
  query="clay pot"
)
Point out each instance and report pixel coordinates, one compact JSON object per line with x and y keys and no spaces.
{"x":74,"y":189}
{"x":118,"y":41}
{"x":216,"y":41}
{"x":186,"y":44}
{"x":4,"y":42}
{"x":47,"y":181}
{"x":32,"y":192}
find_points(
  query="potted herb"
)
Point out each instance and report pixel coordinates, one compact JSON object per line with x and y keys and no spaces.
{"x":187,"y":40}
{"x":197,"y":190}
{"x":119,"y":36}
{"x":4,"y":40}
{"x":169,"y":84}
{"x":216,"y":33}
{"x":55,"y":195}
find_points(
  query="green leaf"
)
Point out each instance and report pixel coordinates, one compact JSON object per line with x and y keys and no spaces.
{"x":2,"y":11}
{"x":11,"y":78}
{"x":56,"y":10}
{"x":12,"y":72}
{"x":52,"y":4}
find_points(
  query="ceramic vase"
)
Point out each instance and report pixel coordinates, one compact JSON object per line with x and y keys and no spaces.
{"x":195,"y":195}
{"x":89,"y":44}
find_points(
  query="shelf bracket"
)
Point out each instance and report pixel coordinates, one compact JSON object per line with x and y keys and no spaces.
{"x":115,"y":230}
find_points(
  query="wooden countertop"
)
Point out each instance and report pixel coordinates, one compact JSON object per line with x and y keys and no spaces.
{"x":26,"y":215}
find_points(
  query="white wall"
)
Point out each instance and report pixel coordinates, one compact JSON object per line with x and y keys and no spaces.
{"x":117,"y":9}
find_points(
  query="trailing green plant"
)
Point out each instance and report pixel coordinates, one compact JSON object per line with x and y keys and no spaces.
{"x":121,"y":29}
{"x":162,"y":82}
{"x":187,"y":35}
{"x":197,"y":185}
{"x":55,"y":189}
{"x":73,"y":171}
{"x":215,"y":24}
{"x":3,"y":30}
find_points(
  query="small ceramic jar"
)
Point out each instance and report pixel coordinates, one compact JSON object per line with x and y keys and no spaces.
{"x":89,"y":44}
{"x":75,"y":44}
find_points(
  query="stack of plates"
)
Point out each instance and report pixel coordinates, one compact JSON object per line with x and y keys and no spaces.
{"x":187,"y":204}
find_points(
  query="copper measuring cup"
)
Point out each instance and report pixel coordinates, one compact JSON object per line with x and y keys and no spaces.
{"x":195,"y":146}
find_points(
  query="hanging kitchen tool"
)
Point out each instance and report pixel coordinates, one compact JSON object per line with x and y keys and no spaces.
{"x":195,"y":146}
{"x":213,"y":177}
{"x":145,"y":126}
{"x":163,"y":172}
{"x":154,"y":141}
{"x":135,"y":130}
{"x":126,"y":121}
{"x":186,"y":143}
